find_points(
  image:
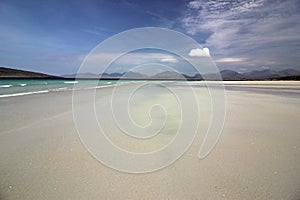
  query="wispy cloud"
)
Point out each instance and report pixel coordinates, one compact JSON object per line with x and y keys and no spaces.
{"x":169,"y":59}
{"x":263,"y":31}
{"x":230,"y":60}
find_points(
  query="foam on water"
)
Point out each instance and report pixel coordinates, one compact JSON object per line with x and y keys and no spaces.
{"x":71,"y":82}
{"x":23,"y":93}
{"x":5,"y":86}
{"x":60,"y":89}
{"x":33,"y":86}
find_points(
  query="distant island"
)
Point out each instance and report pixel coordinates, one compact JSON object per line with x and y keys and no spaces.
{"x":227,"y":75}
{"x":18,"y":74}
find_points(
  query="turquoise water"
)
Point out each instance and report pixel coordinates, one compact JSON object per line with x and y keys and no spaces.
{"x":19,"y":87}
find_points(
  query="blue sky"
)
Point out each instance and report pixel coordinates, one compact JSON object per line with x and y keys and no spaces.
{"x":54,"y":36}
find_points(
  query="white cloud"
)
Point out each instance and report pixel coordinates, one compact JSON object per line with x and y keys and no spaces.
{"x":206,"y":50}
{"x":194,"y":4}
{"x":169,"y":59}
{"x":199,"y":52}
{"x":224,"y":60}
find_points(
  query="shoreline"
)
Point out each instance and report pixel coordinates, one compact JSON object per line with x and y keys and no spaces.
{"x":225,"y":83}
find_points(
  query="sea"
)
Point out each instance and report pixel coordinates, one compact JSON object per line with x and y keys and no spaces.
{"x":21,"y":87}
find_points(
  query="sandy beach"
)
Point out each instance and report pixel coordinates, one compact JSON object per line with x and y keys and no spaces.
{"x":257,"y":156}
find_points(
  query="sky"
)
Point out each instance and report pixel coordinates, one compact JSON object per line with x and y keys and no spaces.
{"x":54,"y":36}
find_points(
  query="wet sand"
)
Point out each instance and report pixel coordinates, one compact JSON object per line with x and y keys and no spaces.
{"x":257,"y":156}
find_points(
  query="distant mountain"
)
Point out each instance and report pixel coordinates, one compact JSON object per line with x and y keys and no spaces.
{"x":133,"y":75}
{"x":82,"y":75}
{"x":263,"y":74}
{"x":287,"y":78}
{"x":112,"y":75}
{"x":287,"y":74}
{"x":226,"y":75}
{"x":168,"y":75}
{"x":269,"y":74}
{"x":124,"y":75}
{"x":16,"y":73}
{"x":229,"y":75}
{"x":232,"y":75}
{"x":196,"y":77}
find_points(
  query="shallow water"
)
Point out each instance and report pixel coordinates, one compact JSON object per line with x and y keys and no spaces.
{"x":20,"y":87}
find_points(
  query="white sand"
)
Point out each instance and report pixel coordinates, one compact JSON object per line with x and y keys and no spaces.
{"x":257,"y":157}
